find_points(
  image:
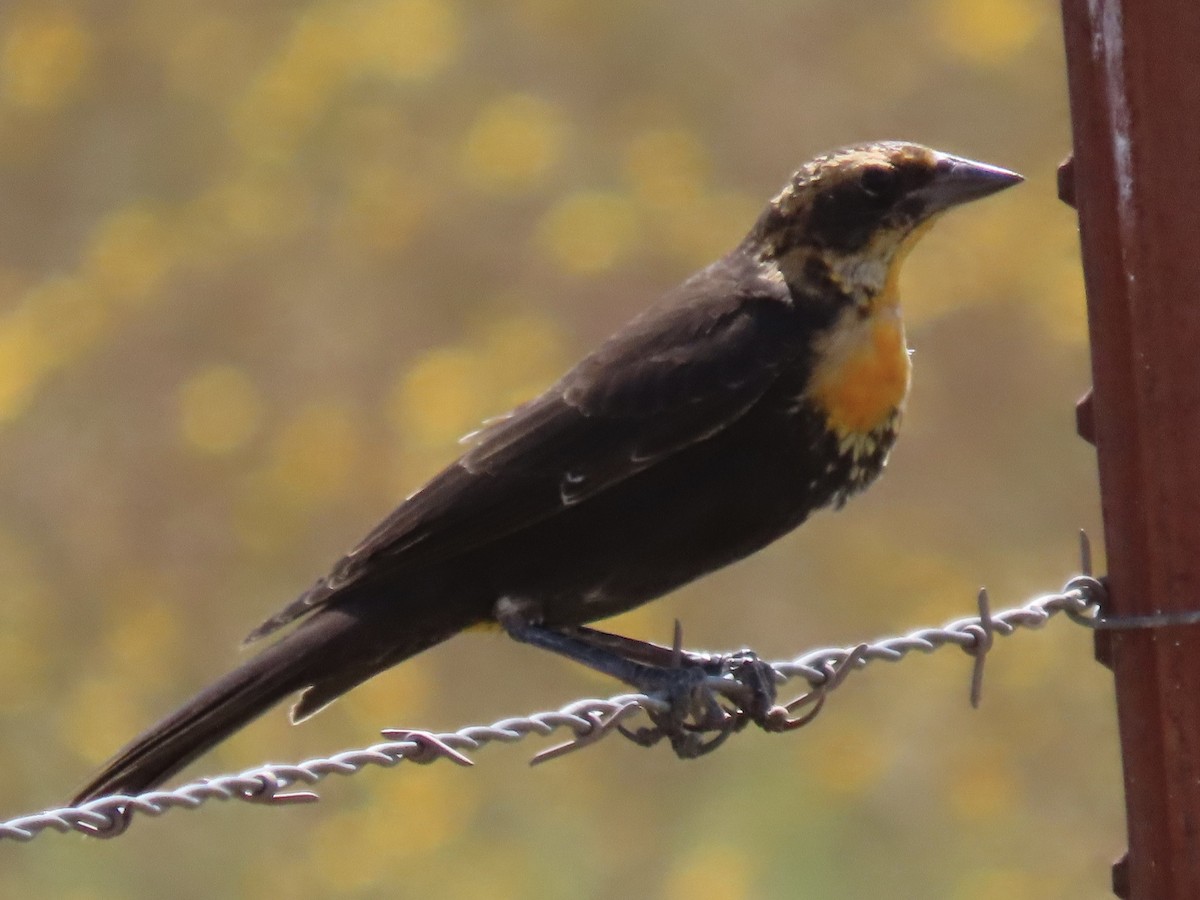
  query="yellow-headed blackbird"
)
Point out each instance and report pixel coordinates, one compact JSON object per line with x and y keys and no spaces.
{"x":766,"y":386}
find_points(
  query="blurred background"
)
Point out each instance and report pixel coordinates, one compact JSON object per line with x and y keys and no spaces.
{"x":262,"y":264}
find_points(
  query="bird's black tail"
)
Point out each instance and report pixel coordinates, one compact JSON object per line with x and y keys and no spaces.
{"x":325,"y":657}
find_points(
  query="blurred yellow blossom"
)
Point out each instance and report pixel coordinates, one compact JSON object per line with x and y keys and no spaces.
{"x":860,"y":762}
{"x":219,"y":409}
{"x":312,"y":460}
{"x":67,"y":315}
{"x":99,"y":714}
{"x":1004,"y":882}
{"x":409,"y":39}
{"x":383,"y":208}
{"x":440,"y":398}
{"x":413,"y":812}
{"x":212,"y":57}
{"x":708,"y":227}
{"x":500,"y":870}
{"x":264,"y":521}
{"x":315,"y":453}
{"x":666,"y":167}
{"x":143,"y":638}
{"x":293,"y":89}
{"x":1064,"y":309}
{"x":226,"y":219}
{"x":130,"y":254}
{"x":22,"y":667}
{"x":983,"y":786}
{"x":24,"y":358}
{"x":514,"y":141}
{"x":524,"y":354}
{"x":274,"y":881}
{"x":710,"y":870}
{"x":589,"y":231}
{"x":347,"y":855}
{"x":986,"y":32}
{"x":44,"y":57}
{"x":403,"y":692}
{"x":263,"y":203}
{"x":28,"y":618}
{"x":368,"y":132}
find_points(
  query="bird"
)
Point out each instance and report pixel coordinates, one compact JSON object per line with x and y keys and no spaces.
{"x":766,"y":386}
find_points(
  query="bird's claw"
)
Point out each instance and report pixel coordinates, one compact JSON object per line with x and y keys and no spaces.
{"x":707,"y":699}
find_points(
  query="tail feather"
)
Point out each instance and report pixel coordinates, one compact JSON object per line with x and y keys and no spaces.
{"x":324,"y":657}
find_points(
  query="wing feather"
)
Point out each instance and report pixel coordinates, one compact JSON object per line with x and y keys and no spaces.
{"x":676,"y":375}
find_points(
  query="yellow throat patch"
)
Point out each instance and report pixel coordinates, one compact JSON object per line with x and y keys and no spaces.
{"x":863,"y":377}
{"x":862,"y":371}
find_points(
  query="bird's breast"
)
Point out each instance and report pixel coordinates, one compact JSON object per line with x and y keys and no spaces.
{"x":861,"y":373}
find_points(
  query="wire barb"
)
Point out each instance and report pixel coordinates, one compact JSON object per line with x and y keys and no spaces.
{"x":431,"y":747}
{"x":588,"y":720}
{"x":984,"y":637}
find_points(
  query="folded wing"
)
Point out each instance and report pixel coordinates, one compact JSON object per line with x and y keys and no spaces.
{"x":676,"y":375}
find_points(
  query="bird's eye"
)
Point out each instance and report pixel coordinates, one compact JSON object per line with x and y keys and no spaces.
{"x":879,"y":182}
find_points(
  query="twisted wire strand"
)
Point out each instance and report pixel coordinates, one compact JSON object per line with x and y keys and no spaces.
{"x":588,"y":721}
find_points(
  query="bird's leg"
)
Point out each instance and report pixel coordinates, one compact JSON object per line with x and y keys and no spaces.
{"x":692,"y":710}
{"x":647,"y":652}
{"x":750,"y":682}
{"x":602,"y":659}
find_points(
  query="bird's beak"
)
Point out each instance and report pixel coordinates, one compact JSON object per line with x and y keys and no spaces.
{"x":957,"y":180}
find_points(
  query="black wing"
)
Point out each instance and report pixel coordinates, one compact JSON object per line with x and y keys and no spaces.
{"x":675,"y":375}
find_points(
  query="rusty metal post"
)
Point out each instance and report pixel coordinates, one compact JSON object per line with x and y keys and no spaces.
{"x":1134,"y":75}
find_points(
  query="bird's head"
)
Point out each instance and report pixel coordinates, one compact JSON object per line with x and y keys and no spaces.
{"x":850,"y":216}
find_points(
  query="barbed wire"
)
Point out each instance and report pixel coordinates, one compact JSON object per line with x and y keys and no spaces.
{"x":588,"y":720}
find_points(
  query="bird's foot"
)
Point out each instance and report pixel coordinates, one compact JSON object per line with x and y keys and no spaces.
{"x":708,"y":697}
